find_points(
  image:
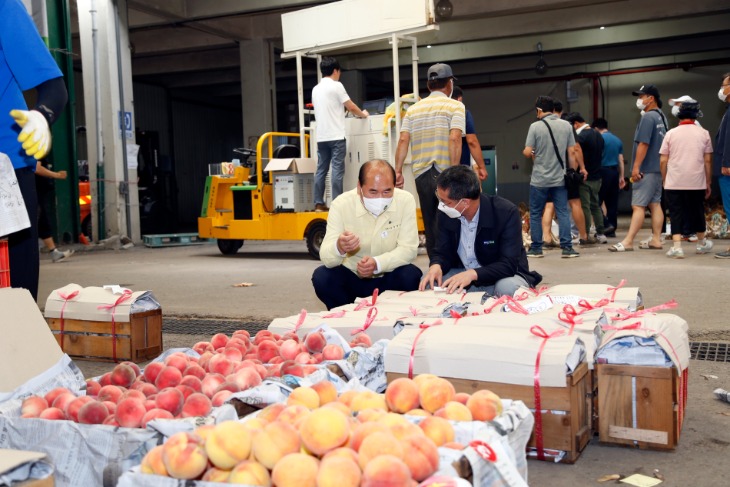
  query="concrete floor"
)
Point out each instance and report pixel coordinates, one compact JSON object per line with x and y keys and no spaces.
{"x":197,"y":281}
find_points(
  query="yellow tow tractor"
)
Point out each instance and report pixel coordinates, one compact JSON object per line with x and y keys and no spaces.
{"x":239,"y":202}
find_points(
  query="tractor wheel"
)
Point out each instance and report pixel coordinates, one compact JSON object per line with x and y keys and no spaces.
{"x":229,"y":247}
{"x":315,"y":235}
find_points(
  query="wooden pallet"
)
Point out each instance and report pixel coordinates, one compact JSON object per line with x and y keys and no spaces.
{"x":173,"y":240}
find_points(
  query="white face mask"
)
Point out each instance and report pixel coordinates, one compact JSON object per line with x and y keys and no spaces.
{"x":449,"y":211}
{"x":640,"y":104}
{"x":376,"y":206}
{"x":675,"y":110}
{"x":721,"y":94}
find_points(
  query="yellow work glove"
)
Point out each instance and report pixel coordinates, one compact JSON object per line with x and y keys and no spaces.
{"x":36,"y":134}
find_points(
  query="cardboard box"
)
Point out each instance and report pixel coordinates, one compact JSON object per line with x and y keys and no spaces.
{"x":293,"y":165}
{"x":86,"y":332}
{"x":381,"y":328}
{"x":12,"y":459}
{"x":641,"y":406}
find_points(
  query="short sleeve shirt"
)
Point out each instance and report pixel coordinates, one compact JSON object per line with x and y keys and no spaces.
{"x":547,"y":172}
{"x":470,"y":129}
{"x":651,"y":130}
{"x":612,"y":147}
{"x":328,"y":98}
{"x":686,"y":146}
{"x":25,"y":63}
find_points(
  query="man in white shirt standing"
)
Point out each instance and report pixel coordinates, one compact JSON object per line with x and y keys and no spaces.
{"x":330,"y":101}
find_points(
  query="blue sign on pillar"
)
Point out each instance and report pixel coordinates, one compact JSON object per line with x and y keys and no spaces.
{"x":125,"y":120}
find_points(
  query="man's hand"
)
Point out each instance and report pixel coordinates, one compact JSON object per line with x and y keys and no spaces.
{"x":432,"y":277}
{"x":635,"y":174}
{"x":365,"y":114}
{"x":584,"y":172}
{"x":460,"y":281}
{"x":399,"y":181}
{"x":61,"y":175}
{"x":36,"y":135}
{"x":366,"y":267}
{"x":481,"y":172}
{"x":347,"y":242}
{"x":621,"y":183}
{"x":725,"y":171}
{"x":708,"y":192}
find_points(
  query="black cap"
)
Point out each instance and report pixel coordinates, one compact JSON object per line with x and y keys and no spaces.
{"x":440,"y":71}
{"x":647,"y":90}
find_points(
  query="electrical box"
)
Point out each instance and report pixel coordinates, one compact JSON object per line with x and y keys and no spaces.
{"x":293,"y":192}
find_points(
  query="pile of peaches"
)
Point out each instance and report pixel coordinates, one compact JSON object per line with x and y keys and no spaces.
{"x":320,"y":439}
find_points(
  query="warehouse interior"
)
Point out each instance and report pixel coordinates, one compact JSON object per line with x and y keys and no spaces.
{"x":209,"y":76}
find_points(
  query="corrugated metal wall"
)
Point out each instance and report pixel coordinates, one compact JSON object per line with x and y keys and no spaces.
{"x":201,"y":135}
{"x":152,"y":113}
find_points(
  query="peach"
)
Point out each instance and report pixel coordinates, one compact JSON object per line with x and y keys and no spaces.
{"x":326,"y":391}
{"x":347,"y":397}
{"x":271,"y":412}
{"x":105,"y":379}
{"x":219,"y":364}
{"x":110,"y":421}
{"x":110,"y":406}
{"x":306,"y":396}
{"x":170,"y":399}
{"x":342,"y":452}
{"x":92,"y":387}
{"x":54,"y":393}
{"x":155,"y":413}
{"x":324,"y":430}
{"x":332,"y":351}
{"x":250,"y":472}
{"x":184,"y":456}
{"x":219,"y":398}
{"x":362,"y":340}
{"x":204,"y":359}
{"x":263,"y":335}
{"x":362,"y":431}
{"x":462,"y":397}
{"x":386,"y":470}
{"x":61,"y":402}
{"x":228,"y":386}
{"x":168,"y":377}
{"x":454,"y":445}
{"x":135,"y":367}
{"x":275,"y":360}
{"x":204,"y":431}
{"x":219,"y":340}
{"x":339,"y":472}
{"x":135,"y":394}
{"x":110,"y":393}
{"x":421,"y":378}
{"x":267,"y":350}
{"x":340,"y":407}
{"x":178,"y":360}
{"x":422,"y":458}
{"x":52,"y":413}
{"x":454,"y":411}
{"x":418,"y":412}
{"x":123,"y":375}
{"x":296,"y":470}
{"x":202,"y":347}
{"x":316,"y":358}
{"x":484,"y":405}
{"x":435,"y":393}
{"x":246,"y":378}
{"x":368,"y":399}
{"x":152,"y":370}
{"x":33,"y":406}
{"x":214,"y":474}
{"x":238,"y":344}
{"x":254,"y":425}
{"x":275,"y":441}
{"x":315,"y":342}
{"x":303,"y":358}
{"x":242,"y":334}
{"x":402,"y":395}
{"x":233,"y":354}
{"x":289,"y":349}
{"x":152,"y":462}
{"x":378,"y":443}
{"x":293,"y":415}
{"x":196,"y":404}
{"x":194,"y":370}
{"x":186,"y":390}
{"x":290,"y":367}
{"x":438,"y":429}
{"x":150,"y":404}
{"x":370,"y":415}
{"x":146,"y":388}
{"x":130,"y":412}
{"x":72,"y":409}
{"x":210,"y":383}
{"x":228,"y":444}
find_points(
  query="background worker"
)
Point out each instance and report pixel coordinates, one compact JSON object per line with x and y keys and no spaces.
{"x":470,"y":146}
{"x":371,"y":240}
{"x":44,"y":189}
{"x":330,"y":101}
{"x":25,"y":135}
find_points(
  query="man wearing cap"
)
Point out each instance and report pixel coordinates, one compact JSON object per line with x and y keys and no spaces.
{"x":433,"y":128}
{"x":645,"y":172}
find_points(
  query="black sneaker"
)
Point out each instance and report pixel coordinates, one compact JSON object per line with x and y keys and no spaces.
{"x":570,"y":254}
{"x":587,"y":241}
{"x":723,"y":255}
{"x":534,"y":253}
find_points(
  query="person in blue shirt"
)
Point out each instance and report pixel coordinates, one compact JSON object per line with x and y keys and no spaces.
{"x":470,"y":146}
{"x":25,"y":136}
{"x":722,"y":152}
{"x":612,"y":174}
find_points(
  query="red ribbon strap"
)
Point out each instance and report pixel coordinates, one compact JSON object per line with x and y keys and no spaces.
{"x":66,"y":298}
{"x":125,"y":296}
{"x":423,"y":328}
{"x":455,"y":314}
{"x":626,"y":315}
{"x":372,"y":313}
{"x":300,"y":319}
{"x":496,"y":303}
{"x":633,"y":326}
{"x":571,"y":319}
{"x":413,"y":310}
{"x":540,"y":333}
{"x":336,"y":314}
{"x":515,"y":306}
{"x":442,"y":301}
{"x":615,"y":289}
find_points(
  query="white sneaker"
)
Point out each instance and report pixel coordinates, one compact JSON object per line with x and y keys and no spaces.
{"x":675,"y":253}
{"x":692,"y":237}
{"x":58,"y":256}
{"x":703,"y":249}
{"x":601,"y":238}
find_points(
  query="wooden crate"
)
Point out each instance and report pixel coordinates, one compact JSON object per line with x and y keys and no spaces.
{"x":569,"y":432}
{"x":641,"y":406}
{"x":137,"y":340}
